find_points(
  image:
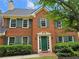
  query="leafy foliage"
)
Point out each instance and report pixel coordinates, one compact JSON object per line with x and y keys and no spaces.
{"x":11,"y":50}
{"x":65,"y":9}
{"x":67,"y":49}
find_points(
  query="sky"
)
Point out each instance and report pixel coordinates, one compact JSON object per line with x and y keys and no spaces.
{"x":17,"y":4}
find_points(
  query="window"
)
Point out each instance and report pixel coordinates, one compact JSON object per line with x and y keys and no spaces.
{"x":25,"y":23}
{"x":25,"y":40}
{"x":65,"y":39}
{"x":58,"y":24}
{"x":12,"y":23}
{"x":59,"y":39}
{"x":11,"y":40}
{"x":43,"y":23}
{"x":68,"y":39}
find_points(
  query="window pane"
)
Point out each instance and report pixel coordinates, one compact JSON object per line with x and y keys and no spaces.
{"x":43,"y":23}
{"x":59,"y":39}
{"x":13,"y":23}
{"x":11,"y":40}
{"x":25,"y":23}
{"x":25,"y":40}
{"x":70,"y":38}
{"x":59,"y":24}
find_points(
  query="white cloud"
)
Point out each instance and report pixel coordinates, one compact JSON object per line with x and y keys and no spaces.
{"x":30,"y":4}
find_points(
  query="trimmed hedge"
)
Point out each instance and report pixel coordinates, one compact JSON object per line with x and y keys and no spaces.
{"x":12,"y":50}
{"x":67,"y":49}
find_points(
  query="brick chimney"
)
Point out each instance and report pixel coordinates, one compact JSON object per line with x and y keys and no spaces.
{"x":10,"y":5}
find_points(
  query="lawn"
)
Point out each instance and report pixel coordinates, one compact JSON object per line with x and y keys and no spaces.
{"x":45,"y":57}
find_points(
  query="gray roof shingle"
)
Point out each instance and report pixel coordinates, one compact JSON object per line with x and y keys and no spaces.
{"x":19,"y":12}
{"x":2,"y":30}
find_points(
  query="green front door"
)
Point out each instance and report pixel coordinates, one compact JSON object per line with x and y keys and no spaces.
{"x":44,"y":43}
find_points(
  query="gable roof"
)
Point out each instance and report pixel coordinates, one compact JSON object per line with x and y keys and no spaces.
{"x":23,"y":12}
{"x":19,"y":12}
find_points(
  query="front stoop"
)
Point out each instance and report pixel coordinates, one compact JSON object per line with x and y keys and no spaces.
{"x":48,"y":54}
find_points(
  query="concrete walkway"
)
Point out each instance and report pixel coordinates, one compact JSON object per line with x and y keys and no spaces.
{"x":21,"y":57}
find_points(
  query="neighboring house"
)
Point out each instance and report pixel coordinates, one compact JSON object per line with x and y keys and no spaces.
{"x":29,"y":26}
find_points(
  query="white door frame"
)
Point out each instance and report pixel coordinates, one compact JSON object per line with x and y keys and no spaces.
{"x":38,"y":38}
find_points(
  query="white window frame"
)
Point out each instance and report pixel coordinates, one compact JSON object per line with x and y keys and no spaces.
{"x":9,"y":40}
{"x":10,"y":23}
{"x":58,"y":39}
{"x":61,"y":24}
{"x":27,"y":23}
{"x":27,"y":39}
{"x":63,"y":40}
{"x":42,"y":19}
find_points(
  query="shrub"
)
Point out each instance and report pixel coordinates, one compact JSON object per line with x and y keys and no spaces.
{"x":11,"y":50}
{"x":67,"y":49}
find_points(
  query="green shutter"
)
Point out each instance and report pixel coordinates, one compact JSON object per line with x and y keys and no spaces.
{"x":47,"y":23}
{"x":30,"y":23}
{"x":55,"y":22}
{"x":18,"y":40}
{"x":30,"y":40}
{"x":19,"y":22}
{"x":39,"y":23}
{"x":8,"y":23}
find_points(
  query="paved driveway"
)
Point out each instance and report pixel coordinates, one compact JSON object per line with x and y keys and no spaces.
{"x":21,"y":57}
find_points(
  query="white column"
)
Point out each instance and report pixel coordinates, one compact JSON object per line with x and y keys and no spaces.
{"x":50,"y":45}
{"x":38,"y":43}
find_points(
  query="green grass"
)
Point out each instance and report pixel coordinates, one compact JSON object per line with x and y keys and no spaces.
{"x":45,"y":57}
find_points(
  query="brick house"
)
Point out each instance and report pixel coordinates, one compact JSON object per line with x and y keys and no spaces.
{"x":29,"y":26}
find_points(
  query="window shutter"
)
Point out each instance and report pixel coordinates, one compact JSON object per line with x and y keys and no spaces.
{"x":39,"y":23}
{"x":30,"y":40}
{"x":8,"y":23}
{"x":18,"y":40}
{"x":5,"y":40}
{"x":55,"y":22}
{"x":19,"y":22}
{"x":30,"y":23}
{"x":47,"y":23}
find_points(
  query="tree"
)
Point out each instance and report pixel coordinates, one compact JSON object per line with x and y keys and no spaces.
{"x":69,"y":11}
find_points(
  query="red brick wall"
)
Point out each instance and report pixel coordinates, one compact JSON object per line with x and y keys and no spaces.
{"x":16,"y":31}
{"x":1,"y":41}
{"x":36,"y":29}
{"x":51,"y":29}
{"x":19,"y":32}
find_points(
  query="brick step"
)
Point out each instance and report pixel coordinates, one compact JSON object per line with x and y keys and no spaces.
{"x":47,"y":53}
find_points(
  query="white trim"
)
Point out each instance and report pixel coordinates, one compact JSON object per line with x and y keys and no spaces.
{"x":40,"y":9}
{"x":63,"y":40}
{"x":44,"y":34}
{"x":8,"y":43}
{"x":43,"y":19}
{"x":1,"y":34}
{"x":27,"y":23}
{"x":10,"y":23}
{"x":27,"y":39}
{"x":73,"y":39}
